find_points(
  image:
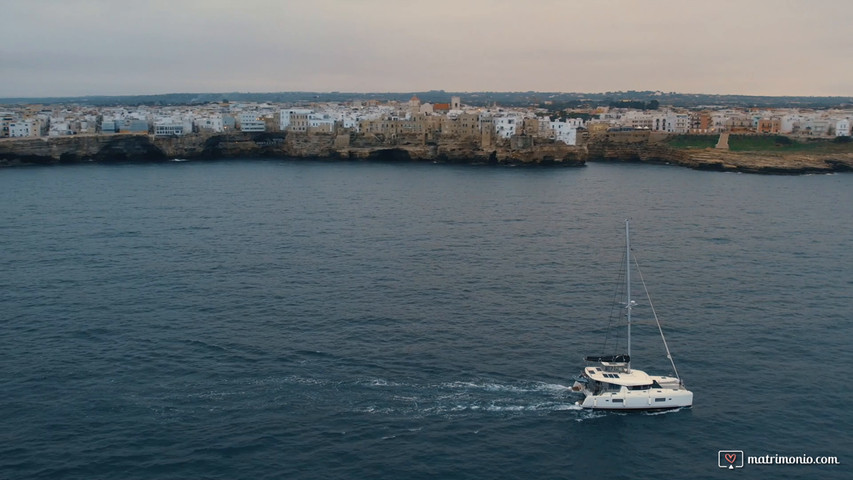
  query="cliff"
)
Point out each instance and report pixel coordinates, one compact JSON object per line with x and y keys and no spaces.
{"x":634,"y":146}
{"x":350,"y":146}
{"x":648,"y":147}
{"x":75,"y":149}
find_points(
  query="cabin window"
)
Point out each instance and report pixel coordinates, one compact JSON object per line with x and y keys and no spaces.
{"x":617,"y":400}
{"x":660,"y":399}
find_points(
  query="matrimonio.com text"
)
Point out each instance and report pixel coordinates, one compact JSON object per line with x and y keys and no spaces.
{"x":733,"y":459}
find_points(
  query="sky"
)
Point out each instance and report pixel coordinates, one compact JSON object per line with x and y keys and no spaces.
{"x":117,"y":47}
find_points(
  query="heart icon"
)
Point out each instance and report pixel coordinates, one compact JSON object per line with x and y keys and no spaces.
{"x":731,"y":457}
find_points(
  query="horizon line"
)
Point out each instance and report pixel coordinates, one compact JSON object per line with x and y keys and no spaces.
{"x":404,"y":92}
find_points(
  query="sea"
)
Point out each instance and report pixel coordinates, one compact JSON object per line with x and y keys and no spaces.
{"x":293,"y":319}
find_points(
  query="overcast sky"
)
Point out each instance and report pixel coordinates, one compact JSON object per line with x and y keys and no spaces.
{"x":117,"y":47}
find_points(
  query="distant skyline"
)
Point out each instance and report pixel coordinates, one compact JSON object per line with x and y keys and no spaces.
{"x":100,"y":47}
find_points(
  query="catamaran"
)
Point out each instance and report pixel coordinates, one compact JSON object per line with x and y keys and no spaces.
{"x":609,"y":382}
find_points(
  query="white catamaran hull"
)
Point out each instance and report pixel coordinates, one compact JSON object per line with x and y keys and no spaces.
{"x":657,"y":399}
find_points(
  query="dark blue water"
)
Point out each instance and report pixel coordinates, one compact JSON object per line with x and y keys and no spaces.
{"x":275,"y":319}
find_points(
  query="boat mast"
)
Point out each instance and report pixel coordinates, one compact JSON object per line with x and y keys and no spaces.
{"x":628,"y":283}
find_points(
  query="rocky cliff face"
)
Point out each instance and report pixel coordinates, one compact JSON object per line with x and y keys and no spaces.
{"x":116,"y":148}
{"x":143,"y":148}
{"x":644,"y":147}
{"x":628,"y":147}
{"x":637,"y":152}
{"x":769,"y":163}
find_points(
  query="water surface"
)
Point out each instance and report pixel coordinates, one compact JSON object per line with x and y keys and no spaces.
{"x":293,"y":319}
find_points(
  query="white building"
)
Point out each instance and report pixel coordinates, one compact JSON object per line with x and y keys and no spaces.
{"x":576,"y":123}
{"x":211,"y":124}
{"x":640,"y":120}
{"x":350,"y":121}
{"x":251,"y":122}
{"x":677,"y":122}
{"x":187,"y":122}
{"x":817,"y":127}
{"x":506,"y":125}
{"x":285,"y":116}
{"x":719,"y":120}
{"x":842,"y":128}
{"x":321,"y":122}
{"x":565,"y":132}
{"x":168,"y":129}
{"x":790,"y":123}
{"x":21,"y":128}
{"x":59,"y":127}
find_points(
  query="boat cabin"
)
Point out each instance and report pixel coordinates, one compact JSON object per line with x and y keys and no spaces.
{"x":620,"y":376}
{"x":613,"y":373}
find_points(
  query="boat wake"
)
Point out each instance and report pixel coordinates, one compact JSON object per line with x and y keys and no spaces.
{"x":456,"y":399}
{"x":665,"y":412}
{"x":464,"y":398}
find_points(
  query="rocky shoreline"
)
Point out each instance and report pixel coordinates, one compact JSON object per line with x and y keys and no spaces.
{"x":145,"y":148}
{"x":635,"y":147}
{"x":645,"y":147}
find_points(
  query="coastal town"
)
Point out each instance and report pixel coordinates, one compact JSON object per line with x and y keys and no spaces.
{"x":762,"y":140}
{"x":454,"y":119}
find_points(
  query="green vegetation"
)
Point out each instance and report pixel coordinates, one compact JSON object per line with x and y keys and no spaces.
{"x":635,"y":104}
{"x":562,"y":111}
{"x":563,"y":116}
{"x":762,"y":143}
{"x":693,"y":141}
{"x":780,"y":143}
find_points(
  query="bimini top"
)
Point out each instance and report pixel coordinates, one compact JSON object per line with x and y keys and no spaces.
{"x":629,"y":379}
{"x":609,"y":358}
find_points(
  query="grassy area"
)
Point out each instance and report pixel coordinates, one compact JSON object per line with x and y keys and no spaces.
{"x":692,"y":141}
{"x":762,"y":143}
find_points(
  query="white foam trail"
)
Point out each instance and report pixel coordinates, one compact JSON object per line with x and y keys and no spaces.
{"x":501,"y":387}
{"x":460,"y":398}
{"x":663,"y":412}
{"x":379,"y":382}
{"x":571,"y":406}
